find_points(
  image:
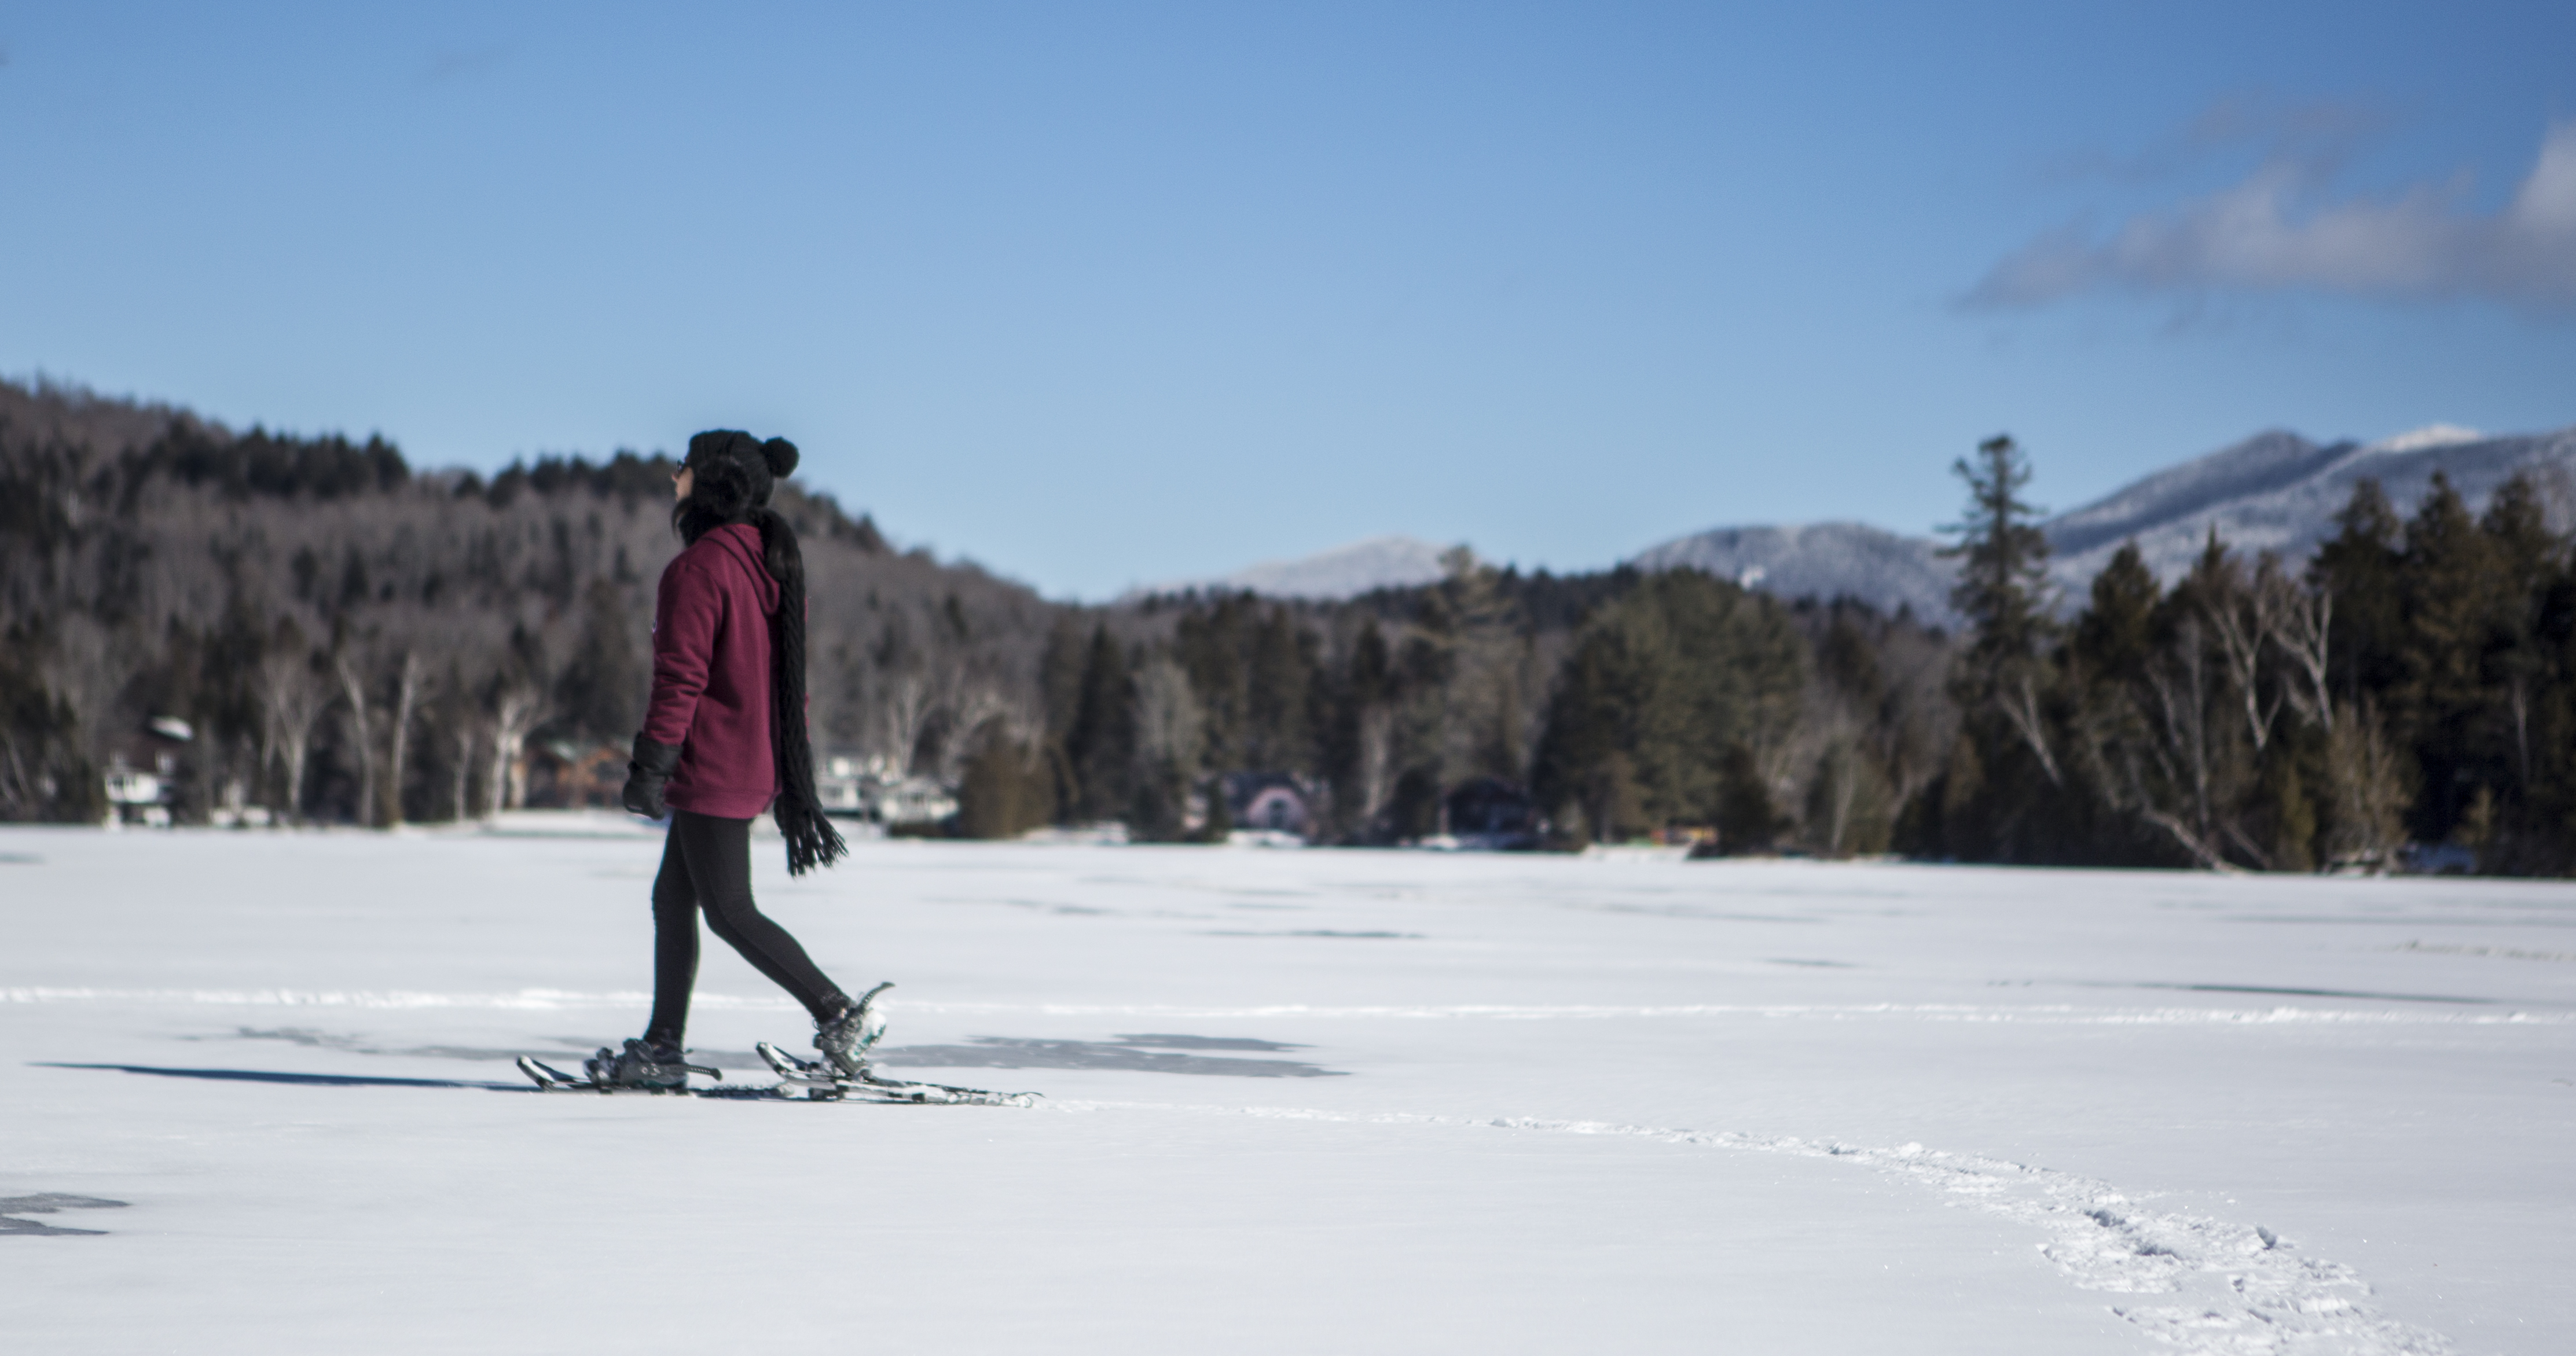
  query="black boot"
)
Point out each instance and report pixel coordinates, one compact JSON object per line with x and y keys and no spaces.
{"x":846,"y":1036}
{"x":656,"y":1066}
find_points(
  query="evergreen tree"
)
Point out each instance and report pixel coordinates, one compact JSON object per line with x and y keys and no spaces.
{"x":1358,"y":746}
{"x":2452,"y":579}
{"x":1847,"y":660}
{"x":2117,"y":632}
{"x":2359,"y":567}
{"x":1747,"y":819}
{"x":1278,"y":680}
{"x":1584,"y":779}
{"x":1101,"y":747}
{"x":2527,"y":559}
{"x":2003,"y":558}
{"x":1668,"y":688}
{"x":1211,"y":644}
{"x":2004,"y":686}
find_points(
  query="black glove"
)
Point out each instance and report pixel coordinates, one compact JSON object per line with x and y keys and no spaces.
{"x":645,"y":773}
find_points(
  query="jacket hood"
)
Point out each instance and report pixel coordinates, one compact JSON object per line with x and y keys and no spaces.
{"x":741,"y":541}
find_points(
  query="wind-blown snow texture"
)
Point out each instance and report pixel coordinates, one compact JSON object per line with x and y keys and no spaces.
{"x":2275,"y":491}
{"x":257,"y":1097}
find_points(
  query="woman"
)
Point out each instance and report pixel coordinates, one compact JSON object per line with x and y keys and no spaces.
{"x":723,"y":738}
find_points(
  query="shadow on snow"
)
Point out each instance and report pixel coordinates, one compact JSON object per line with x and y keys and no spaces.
{"x":46,"y":1204}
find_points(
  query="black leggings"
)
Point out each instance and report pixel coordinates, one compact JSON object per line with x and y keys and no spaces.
{"x":706,"y":863}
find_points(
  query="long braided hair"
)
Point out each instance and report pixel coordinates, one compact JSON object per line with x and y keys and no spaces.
{"x":735,"y":474}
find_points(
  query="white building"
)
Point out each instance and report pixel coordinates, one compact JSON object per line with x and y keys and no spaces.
{"x":873,"y":789}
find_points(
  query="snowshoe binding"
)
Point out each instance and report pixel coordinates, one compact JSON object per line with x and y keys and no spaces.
{"x":846,"y":1038}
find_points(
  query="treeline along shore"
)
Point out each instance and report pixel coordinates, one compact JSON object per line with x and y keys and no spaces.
{"x":310,"y":630}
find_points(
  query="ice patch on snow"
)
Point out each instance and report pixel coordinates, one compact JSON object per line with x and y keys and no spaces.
{"x":2505,"y":952}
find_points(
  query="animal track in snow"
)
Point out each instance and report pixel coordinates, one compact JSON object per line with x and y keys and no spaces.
{"x":2243,"y":1290}
{"x":2249,"y":1291}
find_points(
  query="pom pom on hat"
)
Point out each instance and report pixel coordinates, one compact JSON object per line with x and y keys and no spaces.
{"x":781,"y":456}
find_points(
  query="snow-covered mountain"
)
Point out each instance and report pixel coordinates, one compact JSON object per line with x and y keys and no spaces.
{"x":2275,"y":491}
{"x":1823,"y":560}
{"x":1342,"y":572}
{"x":2279,"y":492}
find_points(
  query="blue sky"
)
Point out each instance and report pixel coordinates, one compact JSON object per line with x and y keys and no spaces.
{"x":1097,"y":294}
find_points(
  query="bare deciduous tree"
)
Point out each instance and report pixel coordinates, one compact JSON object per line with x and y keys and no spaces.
{"x":2017,"y":696}
{"x":353,"y":689}
{"x":2306,"y":618}
{"x":1376,"y":761}
{"x":2248,"y":621}
{"x":406,"y":692}
{"x":1170,"y":726}
{"x":292,"y":698}
{"x":88,"y":663}
{"x":2366,"y":824}
{"x":2177,"y":714}
{"x":515,"y":712}
{"x":904,"y":709}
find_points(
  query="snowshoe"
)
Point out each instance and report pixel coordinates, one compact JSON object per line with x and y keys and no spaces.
{"x":818,"y":1081}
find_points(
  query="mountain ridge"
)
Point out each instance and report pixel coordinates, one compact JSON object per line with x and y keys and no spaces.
{"x":2274,"y":491}
{"x":1331,"y":575}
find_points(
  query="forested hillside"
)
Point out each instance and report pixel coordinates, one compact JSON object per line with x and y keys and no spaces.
{"x":352,"y":640}
{"x":349,"y":639}
{"x":2413,"y":682}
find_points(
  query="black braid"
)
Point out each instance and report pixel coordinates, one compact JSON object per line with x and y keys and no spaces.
{"x":811,"y":839}
{"x":735,"y":475}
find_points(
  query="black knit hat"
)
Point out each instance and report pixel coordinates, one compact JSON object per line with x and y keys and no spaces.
{"x":737,"y":472}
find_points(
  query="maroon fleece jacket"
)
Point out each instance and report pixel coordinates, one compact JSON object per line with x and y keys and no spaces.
{"x":711,"y":675}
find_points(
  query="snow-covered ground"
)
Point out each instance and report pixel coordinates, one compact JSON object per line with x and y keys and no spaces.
{"x":1295,"y":1102}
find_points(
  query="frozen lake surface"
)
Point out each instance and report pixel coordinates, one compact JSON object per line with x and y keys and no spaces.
{"x":1294,"y":1102}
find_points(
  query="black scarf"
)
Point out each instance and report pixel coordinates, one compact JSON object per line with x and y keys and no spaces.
{"x":735,"y":475}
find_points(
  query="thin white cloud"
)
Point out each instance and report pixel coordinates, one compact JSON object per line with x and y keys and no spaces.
{"x":452,"y":65}
{"x":2271,"y":233}
{"x":2320,"y":136}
